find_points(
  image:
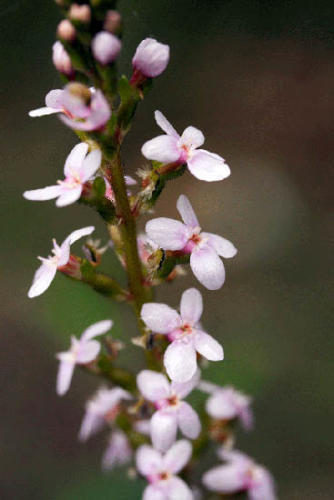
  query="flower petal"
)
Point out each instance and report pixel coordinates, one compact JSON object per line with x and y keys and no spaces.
{"x":207,"y":166}
{"x":264,"y":488}
{"x":186,"y":211}
{"x":162,"y":148}
{"x":225,"y":479}
{"x":208,"y":347}
{"x":42,"y":279}
{"x":72,"y":238}
{"x":169,"y":234}
{"x":88,"y":351}
{"x":90,"y":425}
{"x":177,"y":456}
{"x":64,"y":376}
{"x":69,"y":196}
{"x":180,"y":361}
{"x":97,"y":329}
{"x":188,"y":421}
{"x":153,"y":386}
{"x":165,"y":125}
{"x":153,"y":492}
{"x":160,"y":318}
{"x":46,"y":193}
{"x":182,"y":389}
{"x":179,"y":490}
{"x":223,"y":247}
{"x":192,"y":138}
{"x":53,"y":99}
{"x":90,"y":165}
{"x":191,"y":306}
{"x":118,"y":452}
{"x":75,"y":158}
{"x":148,"y":460}
{"x":163,"y":429}
{"x":43,"y":111}
{"x":207,"y":267}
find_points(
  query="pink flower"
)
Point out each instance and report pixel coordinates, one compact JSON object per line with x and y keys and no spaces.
{"x":240,"y":473}
{"x":85,"y":110}
{"x":185,"y":333}
{"x":226,"y":403}
{"x":78,"y":169}
{"x":204,"y":248}
{"x":61,"y":256}
{"x":118,"y":452}
{"x":160,"y":471}
{"x":81,"y":352}
{"x":61,"y":59}
{"x":171,"y":148}
{"x":151,"y":58}
{"x":106,"y":47}
{"x":171,"y":412}
{"x":101,"y":410}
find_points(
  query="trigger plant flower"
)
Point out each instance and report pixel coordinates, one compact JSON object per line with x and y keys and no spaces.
{"x":185,"y":333}
{"x":81,"y":352}
{"x":59,"y":258}
{"x":150,"y":59}
{"x":240,"y":473}
{"x":160,"y":471}
{"x":106,"y":47}
{"x":171,"y":148}
{"x":205,"y":249}
{"x":172,"y":412}
{"x":81,"y":108}
{"x":79,"y":168}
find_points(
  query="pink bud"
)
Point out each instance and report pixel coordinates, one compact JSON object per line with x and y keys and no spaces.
{"x":113,"y":21}
{"x":66,"y":30}
{"x":61,"y":59}
{"x":105,"y":47}
{"x":151,"y":57}
{"x":80,"y":13}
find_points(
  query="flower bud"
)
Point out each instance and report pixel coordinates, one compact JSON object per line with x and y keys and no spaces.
{"x":113,"y":21}
{"x":105,"y":47}
{"x":66,"y":30}
{"x":61,"y":59}
{"x":80,"y":13}
{"x":151,"y":57}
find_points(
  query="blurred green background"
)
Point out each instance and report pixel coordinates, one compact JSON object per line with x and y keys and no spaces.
{"x":257,"y":77}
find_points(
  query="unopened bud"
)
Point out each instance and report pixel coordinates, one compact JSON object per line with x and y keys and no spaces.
{"x":80,"y":13}
{"x":106,"y":47}
{"x":61,"y":59}
{"x":80,"y":90}
{"x":66,"y":30}
{"x":113,"y":21}
{"x":151,"y":58}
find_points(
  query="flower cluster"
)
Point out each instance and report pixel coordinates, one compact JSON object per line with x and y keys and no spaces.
{"x":147,"y":412}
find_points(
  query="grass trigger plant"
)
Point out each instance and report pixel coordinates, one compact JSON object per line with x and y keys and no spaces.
{"x":151,"y":424}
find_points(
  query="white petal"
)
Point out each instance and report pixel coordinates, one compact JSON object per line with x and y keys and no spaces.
{"x":186,"y":211}
{"x":177,"y":456}
{"x":182,"y":389}
{"x":220,"y":406}
{"x":207,"y":267}
{"x":189,"y":421}
{"x":169,"y":234}
{"x":264,"y":488}
{"x":53,"y":99}
{"x":192,"y":138}
{"x":162,"y":148}
{"x":42,"y":111}
{"x":180,"y":361}
{"x":163,"y":429}
{"x":72,"y":238}
{"x":207,"y":166}
{"x":160,"y":318}
{"x":148,"y":460}
{"x":153,"y":492}
{"x":90,"y":165}
{"x":96,"y":329}
{"x":224,"y":479}
{"x":179,"y":490}
{"x":223,"y":247}
{"x":129,"y":181}
{"x":153,"y":386}
{"x":118,"y":451}
{"x":91,"y":424}
{"x":208,"y":347}
{"x":46,"y":193}
{"x":42,"y":279}
{"x":75,"y":158}
{"x":191,"y":306}
{"x":88,"y":351}
{"x":165,"y":125}
{"x":64,"y":376}
{"x":69,"y":196}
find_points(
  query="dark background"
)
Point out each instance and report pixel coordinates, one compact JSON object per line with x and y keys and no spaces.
{"x":257,"y":77}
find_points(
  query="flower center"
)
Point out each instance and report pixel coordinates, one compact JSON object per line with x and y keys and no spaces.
{"x":173,"y":400}
{"x":164,"y":475}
